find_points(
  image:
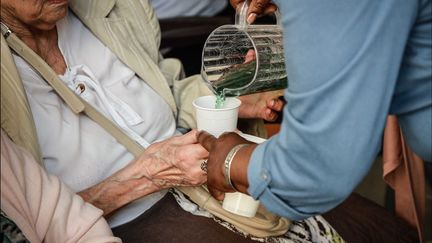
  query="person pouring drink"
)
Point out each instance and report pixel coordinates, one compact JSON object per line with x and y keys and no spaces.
{"x":349,"y":64}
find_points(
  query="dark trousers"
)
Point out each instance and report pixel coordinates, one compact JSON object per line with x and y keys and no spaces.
{"x":166,"y":221}
{"x":356,"y":220}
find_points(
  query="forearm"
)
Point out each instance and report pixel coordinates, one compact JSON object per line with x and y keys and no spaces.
{"x":239,"y":167}
{"x":118,"y":190}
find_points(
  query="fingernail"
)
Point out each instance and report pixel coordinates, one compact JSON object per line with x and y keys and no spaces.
{"x":251,"y":18}
{"x":268,"y":111}
{"x":272,"y":102}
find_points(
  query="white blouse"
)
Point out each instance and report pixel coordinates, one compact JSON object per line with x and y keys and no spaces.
{"x":77,"y":149}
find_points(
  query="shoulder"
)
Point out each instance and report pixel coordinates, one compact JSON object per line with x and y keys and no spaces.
{"x":134,"y":11}
{"x":123,"y":20}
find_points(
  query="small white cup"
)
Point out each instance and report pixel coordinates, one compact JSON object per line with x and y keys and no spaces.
{"x":217,"y":121}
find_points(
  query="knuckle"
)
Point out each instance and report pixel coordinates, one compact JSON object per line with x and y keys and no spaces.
{"x":260,"y":4}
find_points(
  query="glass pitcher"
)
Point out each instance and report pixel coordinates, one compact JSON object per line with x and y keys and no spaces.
{"x":242,"y":59}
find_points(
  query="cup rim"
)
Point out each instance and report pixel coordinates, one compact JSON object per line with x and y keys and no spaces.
{"x":237,"y":105}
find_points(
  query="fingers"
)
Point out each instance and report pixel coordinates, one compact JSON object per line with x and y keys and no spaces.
{"x":190,"y":137}
{"x":256,"y":8}
{"x":206,"y":140}
{"x":193,"y":151}
{"x":187,"y":138}
{"x":259,"y":8}
{"x":251,"y":17}
{"x":270,"y":115}
{"x":271,"y":8}
{"x":217,"y":194}
{"x":250,"y":56}
{"x":234,"y":3}
{"x":275,"y":104}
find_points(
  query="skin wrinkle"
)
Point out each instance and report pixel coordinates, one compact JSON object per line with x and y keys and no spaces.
{"x":37,"y":30}
{"x":123,"y":191}
{"x":163,"y":172}
{"x":171,"y":175}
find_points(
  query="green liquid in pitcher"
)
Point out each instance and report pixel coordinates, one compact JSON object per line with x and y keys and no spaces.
{"x":234,"y":78}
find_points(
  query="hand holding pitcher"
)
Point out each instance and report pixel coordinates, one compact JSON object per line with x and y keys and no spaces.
{"x":228,"y":66}
{"x":256,"y":8}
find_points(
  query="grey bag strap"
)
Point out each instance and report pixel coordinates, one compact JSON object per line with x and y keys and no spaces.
{"x":75,"y":103}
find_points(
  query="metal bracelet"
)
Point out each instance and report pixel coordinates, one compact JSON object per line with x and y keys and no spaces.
{"x":227,"y":164}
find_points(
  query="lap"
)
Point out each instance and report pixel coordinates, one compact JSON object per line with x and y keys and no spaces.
{"x":355,"y":220}
{"x":166,"y":221}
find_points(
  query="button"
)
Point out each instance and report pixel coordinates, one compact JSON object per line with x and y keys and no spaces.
{"x":264,"y":176}
{"x":80,"y":88}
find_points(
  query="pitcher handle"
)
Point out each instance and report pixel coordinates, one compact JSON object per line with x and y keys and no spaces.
{"x":241,"y":15}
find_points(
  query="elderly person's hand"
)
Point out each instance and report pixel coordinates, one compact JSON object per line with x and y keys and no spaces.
{"x":256,"y":8}
{"x":172,"y":162}
{"x":265,"y":105}
{"x":219,"y":149}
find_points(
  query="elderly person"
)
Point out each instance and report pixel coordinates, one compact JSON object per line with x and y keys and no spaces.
{"x":350,"y":65}
{"x":107,"y":52}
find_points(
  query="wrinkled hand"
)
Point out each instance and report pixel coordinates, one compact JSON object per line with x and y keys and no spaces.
{"x":218,"y":149}
{"x":174,"y":162}
{"x":256,"y":8}
{"x":265,"y":105}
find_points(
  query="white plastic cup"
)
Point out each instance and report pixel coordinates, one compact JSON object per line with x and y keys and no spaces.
{"x":217,"y":121}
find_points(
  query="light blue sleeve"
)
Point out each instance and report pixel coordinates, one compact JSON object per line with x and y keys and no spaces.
{"x":343,"y":60}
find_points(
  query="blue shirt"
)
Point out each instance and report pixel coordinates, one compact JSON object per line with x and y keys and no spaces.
{"x":349,"y":63}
